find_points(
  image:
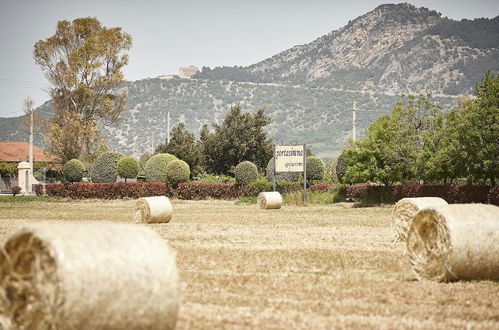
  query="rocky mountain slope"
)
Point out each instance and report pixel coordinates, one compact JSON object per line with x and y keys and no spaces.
{"x":394,"y":48}
{"x":309,"y":90}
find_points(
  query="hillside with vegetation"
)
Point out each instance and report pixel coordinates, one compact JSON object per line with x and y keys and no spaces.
{"x":308,"y":91}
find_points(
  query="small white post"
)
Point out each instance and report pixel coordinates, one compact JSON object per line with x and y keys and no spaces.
{"x":168,"y":128}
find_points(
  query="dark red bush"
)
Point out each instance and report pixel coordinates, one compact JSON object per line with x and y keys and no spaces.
{"x":493,"y":195}
{"x":16,"y":190}
{"x":372,"y":194}
{"x":106,"y":190}
{"x":322,"y":187}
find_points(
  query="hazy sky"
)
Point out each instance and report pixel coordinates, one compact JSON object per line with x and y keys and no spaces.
{"x":168,"y":34}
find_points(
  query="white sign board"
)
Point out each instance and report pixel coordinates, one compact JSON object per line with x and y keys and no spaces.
{"x":289,"y":158}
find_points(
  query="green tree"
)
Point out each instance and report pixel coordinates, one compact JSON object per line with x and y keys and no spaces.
{"x":390,"y":150}
{"x":83,"y":63}
{"x":240,"y":137}
{"x":184,"y":146}
{"x":466,"y":141}
{"x":73,"y":170}
{"x":127,"y":167}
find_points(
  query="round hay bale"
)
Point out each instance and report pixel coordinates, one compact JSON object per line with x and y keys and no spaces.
{"x":88,"y":276}
{"x":405,"y":210}
{"x":153,"y":210}
{"x":454,"y":242}
{"x":269,"y":200}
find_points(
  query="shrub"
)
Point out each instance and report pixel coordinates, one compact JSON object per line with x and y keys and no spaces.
{"x":288,"y":186}
{"x":127,"y":167}
{"x":245,"y":173}
{"x":73,"y":170}
{"x":371,"y":194}
{"x":155,"y":169}
{"x":212,"y":178}
{"x":8,"y":169}
{"x":341,"y":166}
{"x":105,"y":167}
{"x":111,"y":190}
{"x":315,"y":168}
{"x":321,"y":187}
{"x":493,"y":196}
{"x":280,"y":176}
{"x":259,"y":186}
{"x":332,"y":170}
{"x":199,"y":190}
{"x":177,"y":171}
{"x":340,"y":193}
{"x":16,"y":190}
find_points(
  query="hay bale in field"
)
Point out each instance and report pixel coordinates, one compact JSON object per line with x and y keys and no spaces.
{"x":454,"y":242}
{"x":269,"y":200}
{"x":405,"y":210}
{"x":88,"y":276}
{"x":153,"y":210}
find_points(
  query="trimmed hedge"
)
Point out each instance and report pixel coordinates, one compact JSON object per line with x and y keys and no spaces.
{"x":191,"y":190}
{"x":155,"y":169}
{"x":111,"y":190}
{"x":372,"y":194}
{"x":128,"y":167}
{"x":315,"y":168}
{"x":245,"y":173}
{"x":201,"y":190}
{"x":105,"y":167}
{"x":321,"y":187}
{"x":177,"y":171}
{"x":73,"y":170}
{"x":341,"y":166}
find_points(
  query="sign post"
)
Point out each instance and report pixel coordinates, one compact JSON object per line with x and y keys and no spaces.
{"x":291,"y":158}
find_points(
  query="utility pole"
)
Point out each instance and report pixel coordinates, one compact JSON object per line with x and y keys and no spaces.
{"x":354,"y":119}
{"x":168,"y":128}
{"x":31,"y":139}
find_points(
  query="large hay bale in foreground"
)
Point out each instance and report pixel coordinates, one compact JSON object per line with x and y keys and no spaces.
{"x":88,"y":276}
{"x":155,"y":209}
{"x":454,"y":242}
{"x":405,"y":210}
{"x":269,"y":200}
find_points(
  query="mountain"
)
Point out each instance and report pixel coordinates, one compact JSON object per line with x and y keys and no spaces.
{"x":309,"y":90}
{"x":394,"y":48}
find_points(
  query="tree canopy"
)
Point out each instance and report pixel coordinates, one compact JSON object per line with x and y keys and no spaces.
{"x":184,"y":146}
{"x":241,"y":137}
{"x":415,"y":142}
{"x":390,"y":150}
{"x":83,"y":63}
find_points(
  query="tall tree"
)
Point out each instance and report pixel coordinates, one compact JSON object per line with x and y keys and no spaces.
{"x":184,"y":146}
{"x":390,"y":150}
{"x":83,"y":62}
{"x":466,"y":143}
{"x":240,"y":137}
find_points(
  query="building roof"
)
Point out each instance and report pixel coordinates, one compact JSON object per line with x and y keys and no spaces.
{"x":18,"y":151}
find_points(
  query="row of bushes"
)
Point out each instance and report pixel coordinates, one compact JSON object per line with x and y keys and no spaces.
{"x":372,"y":194}
{"x":188,"y":190}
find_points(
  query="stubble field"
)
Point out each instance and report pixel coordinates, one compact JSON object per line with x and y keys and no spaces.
{"x":315,"y":267}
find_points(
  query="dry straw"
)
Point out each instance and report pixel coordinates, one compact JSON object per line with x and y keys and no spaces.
{"x":269,"y":200}
{"x":153,"y":210}
{"x":88,"y":276}
{"x":405,"y":210}
{"x":455,"y":242}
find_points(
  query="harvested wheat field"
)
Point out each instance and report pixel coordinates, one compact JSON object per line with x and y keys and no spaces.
{"x":316,"y":267}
